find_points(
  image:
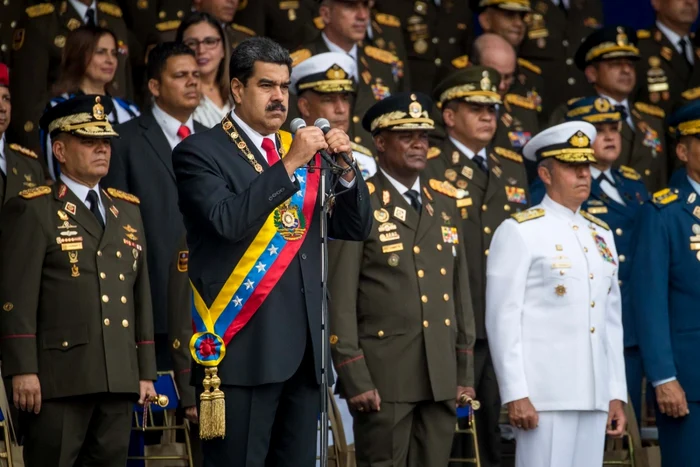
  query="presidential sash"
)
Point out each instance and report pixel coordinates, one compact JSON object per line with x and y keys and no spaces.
{"x":250,"y":282}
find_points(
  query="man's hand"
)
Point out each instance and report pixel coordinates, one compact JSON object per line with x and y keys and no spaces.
{"x":146,"y":391}
{"x":307,"y":142}
{"x":338,"y":141}
{"x":616,"y":413}
{"x":366,"y":402}
{"x":191,"y":414}
{"x":26,"y":392}
{"x":671,"y":399}
{"x":466,"y":391}
{"x":522,"y":414}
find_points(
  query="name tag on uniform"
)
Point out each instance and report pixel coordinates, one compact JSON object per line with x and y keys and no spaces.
{"x":72,"y":246}
{"x":561,"y":265}
{"x":598,"y":210}
{"x":393,"y":247}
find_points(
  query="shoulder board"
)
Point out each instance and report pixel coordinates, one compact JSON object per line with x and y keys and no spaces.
{"x":40,"y":10}
{"x":361,"y":149}
{"x":433,"y":152}
{"x":243,"y":29}
{"x":110,"y":9}
{"x":446,"y":188}
{"x":388,"y":20}
{"x":168,"y":25}
{"x":114,"y":193}
{"x":528,"y":215}
{"x":23,"y":150}
{"x":508,"y":154}
{"x":460,"y":62}
{"x":643,"y":34}
{"x":665,"y":196}
{"x":35,"y":192}
{"x":380,"y":55}
{"x":594,"y":219}
{"x":370,"y":187}
{"x":299,"y":56}
{"x":650,"y":109}
{"x":530,"y":66}
{"x":520,"y":101}
{"x":318,"y":22}
{"x":629,"y":172}
{"x":691,"y":94}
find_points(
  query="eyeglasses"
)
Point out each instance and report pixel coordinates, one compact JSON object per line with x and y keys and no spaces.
{"x":207,"y":42}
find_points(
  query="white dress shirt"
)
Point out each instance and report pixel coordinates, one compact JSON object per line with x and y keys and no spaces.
{"x":468,"y":152}
{"x":675,"y":39}
{"x":625,"y":103}
{"x":608,"y":189}
{"x":335,"y":48}
{"x":81,"y":191}
{"x":170,"y":125}
{"x":82,"y":9}
{"x":695,"y":185}
{"x":401,"y":188}
{"x":3,"y":158}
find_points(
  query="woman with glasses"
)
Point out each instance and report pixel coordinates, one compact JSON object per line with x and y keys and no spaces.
{"x":203,"y":34}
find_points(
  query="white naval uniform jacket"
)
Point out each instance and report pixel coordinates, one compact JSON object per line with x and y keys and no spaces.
{"x":553,"y":313}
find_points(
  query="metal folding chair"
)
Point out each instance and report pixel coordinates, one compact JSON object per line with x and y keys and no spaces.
{"x":466,"y":414}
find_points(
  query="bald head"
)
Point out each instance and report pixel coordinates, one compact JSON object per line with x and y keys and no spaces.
{"x":494,"y":51}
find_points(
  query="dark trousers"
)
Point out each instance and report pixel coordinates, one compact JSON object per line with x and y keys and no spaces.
{"x":84,"y":431}
{"x":272,"y":425}
{"x":635,"y":374}
{"x":678,"y":438}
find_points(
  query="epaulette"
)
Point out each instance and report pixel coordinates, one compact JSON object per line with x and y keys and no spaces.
{"x":530,"y":66}
{"x":643,"y":34}
{"x":388,"y":20}
{"x":370,"y":187}
{"x":41,"y":9}
{"x":665,"y":196}
{"x":520,"y":101}
{"x":113,"y":192}
{"x":594,"y":219}
{"x":110,"y":9}
{"x":508,"y":154}
{"x":361,"y":149}
{"x":35,"y":192}
{"x":243,"y":29}
{"x":528,"y":215}
{"x":444,"y":187}
{"x":433,"y":152}
{"x":629,"y":172}
{"x":691,"y":94}
{"x":572,"y":100}
{"x":650,"y":109}
{"x":318,"y":22}
{"x":299,"y":56}
{"x":460,"y":62}
{"x":23,"y":150}
{"x":168,"y":25}
{"x":380,"y":55}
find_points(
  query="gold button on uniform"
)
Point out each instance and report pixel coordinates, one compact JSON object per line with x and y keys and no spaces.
{"x":618,"y":231}
{"x":575,"y":227}
{"x":421,"y":273}
{"x":416,"y":249}
{"x":647,"y":172}
{"x":591,"y":276}
{"x":446,"y":297}
{"x":105,"y":298}
{"x":593,"y":330}
{"x":593,"y":304}
{"x":123,"y":299}
{"x":8,"y":306}
{"x":99,"y":253}
{"x":103,"y":275}
{"x":439,"y":247}
{"x":484,"y":207}
{"x":356,"y":119}
{"x":622,"y":258}
{"x":447,"y":322}
{"x":443,"y":271}
{"x":487,"y":230}
{"x":506,"y":207}
{"x":424,"y":299}
{"x":438,"y":62}
{"x":426,"y":324}
{"x":106,"y":321}
{"x":561,"y":272}
{"x":125,"y":323}
{"x":119,"y":254}
{"x":619,"y":282}
{"x":585,"y":249}
{"x":380,"y":333}
{"x":357,"y":139}
{"x":486,"y":253}
{"x":121,"y":277}
{"x":64,"y":344}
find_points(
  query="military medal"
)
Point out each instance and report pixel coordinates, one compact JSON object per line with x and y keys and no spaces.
{"x":400,"y":213}
{"x":62,"y":215}
{"x":387,"y":227}
{"x":603,"y":247}
{"x":75,"y":271}
{"x":14,"y":171}
{"x":382,"y":215}
{"x":70,"y":207}
{"x":386,"y":197}
{"x":691,"y":198}
{"x":114,"y":210}
{"x":393,"y":260}
{"x":455,"y":157}
{"x":468,"y":172}
{"x":560,"y":290}
{"x":429,"y":208}
{"x":420,"y":46}
{"x":696,"y":211}
{"x":451,"y":175}
{"x":450,"y":235}
{"x":389,"y":236}
{"x":73,"y":257}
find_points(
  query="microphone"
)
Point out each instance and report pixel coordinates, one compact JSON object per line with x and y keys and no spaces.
{"x":299,"y":123}
{"x":325,"y":127}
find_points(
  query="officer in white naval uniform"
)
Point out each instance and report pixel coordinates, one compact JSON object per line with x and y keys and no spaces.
{"x":553,"y":314}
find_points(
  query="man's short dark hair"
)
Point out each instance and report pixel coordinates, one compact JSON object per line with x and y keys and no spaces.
{"x":159,"y":55}
{"x":256,"y":49}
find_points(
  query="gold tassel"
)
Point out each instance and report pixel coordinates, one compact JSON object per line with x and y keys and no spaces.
{"x":205,"y":415}
{"x":218,"y":407}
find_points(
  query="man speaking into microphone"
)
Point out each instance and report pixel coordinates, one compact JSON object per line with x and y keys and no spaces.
{"x":253,"y":216}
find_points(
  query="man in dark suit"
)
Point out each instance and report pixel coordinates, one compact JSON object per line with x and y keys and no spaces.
{"x":255,"y":265}
{"x":143,"y":154}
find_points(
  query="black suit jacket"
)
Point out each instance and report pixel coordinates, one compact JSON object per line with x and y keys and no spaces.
{"x":142,"y":164}
{"x":225,"y":202}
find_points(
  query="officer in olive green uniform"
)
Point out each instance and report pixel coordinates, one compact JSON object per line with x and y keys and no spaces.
{"x":435,"y":34}
{"x":20,"y":168}
{"x":290,"y":23}
{"x":10,"y":12}
{"x":555,"y":30}
{"x":487,"y":184}
{"x":78,"y":326}
{"x":643,"y":135}
{"x":402,"y":363}
{"x":37,"y":47}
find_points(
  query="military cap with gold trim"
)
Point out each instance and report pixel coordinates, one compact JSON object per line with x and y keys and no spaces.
{"x":401,"y":111}
{"x":509,"y":5}
{"x":607,"y":43}
{"x":475,"y":84}
{"x":84,"y":116}
{"x":595,"y":109}
{"x":568,"y":142}
{"x":685,"y":121}
{"x":324,"y":73}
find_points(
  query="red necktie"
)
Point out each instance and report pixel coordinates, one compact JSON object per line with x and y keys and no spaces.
{"x":183,"y":132}
{"x":270,"y":151}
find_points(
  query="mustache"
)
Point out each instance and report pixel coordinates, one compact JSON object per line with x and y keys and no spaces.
{"x":276,"y":106}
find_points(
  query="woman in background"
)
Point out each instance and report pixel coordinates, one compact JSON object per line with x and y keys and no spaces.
{"x":203,"y":34}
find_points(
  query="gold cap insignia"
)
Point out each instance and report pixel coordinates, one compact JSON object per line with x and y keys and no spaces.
{"x":98,"y":111}
{"x":335,"y":72}
{"x":415,"y":110}
{"x":621,"y":37}
{"x":580,"y":140}
{"x":485,"y":81}
{"x":602,"y":105}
